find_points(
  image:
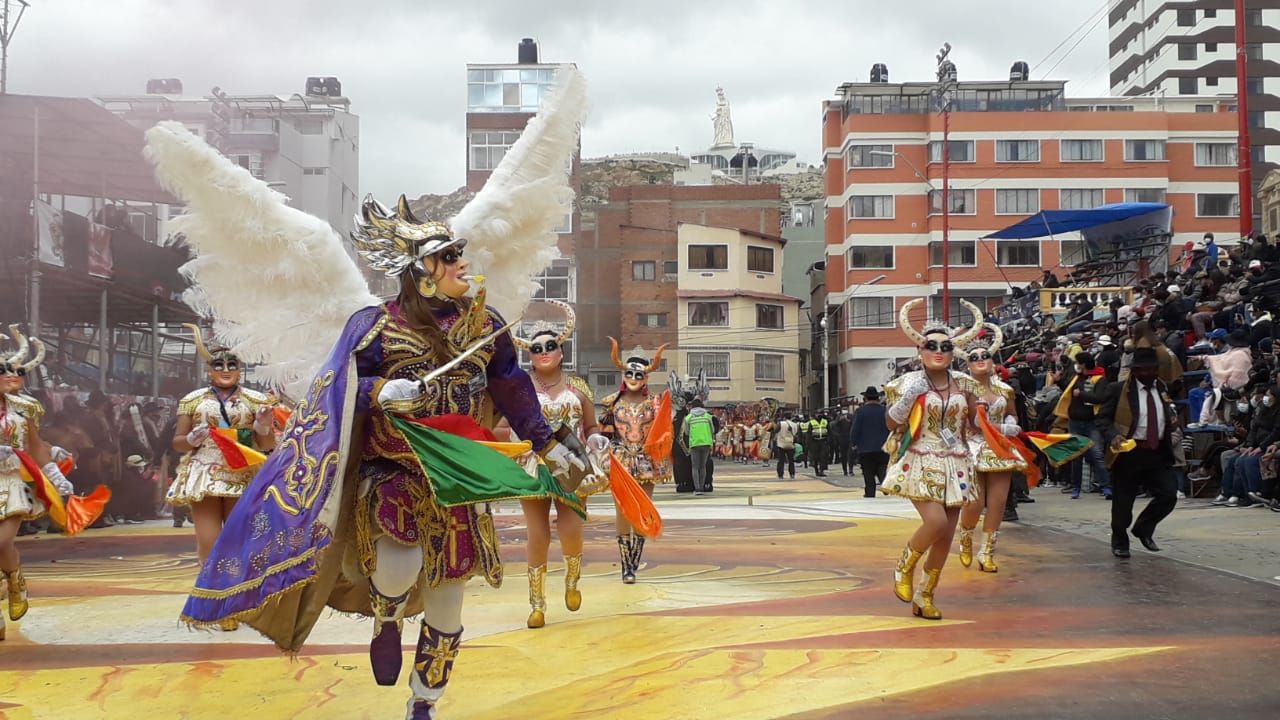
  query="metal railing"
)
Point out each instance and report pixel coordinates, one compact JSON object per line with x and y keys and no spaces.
{"x":1057,"y":301}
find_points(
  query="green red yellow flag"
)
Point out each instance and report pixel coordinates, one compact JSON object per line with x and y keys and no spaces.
{"x":1059,"y":448}
{"x":238,"y":456}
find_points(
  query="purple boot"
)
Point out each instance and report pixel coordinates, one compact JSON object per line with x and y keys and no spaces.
{"x":385,"y":653}
{"x":432,"y":665}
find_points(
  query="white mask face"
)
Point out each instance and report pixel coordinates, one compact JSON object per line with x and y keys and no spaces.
{"x":1242,"y":407}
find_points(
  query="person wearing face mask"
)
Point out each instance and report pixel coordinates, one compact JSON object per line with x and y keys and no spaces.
{"x":629,"y":418}
{"x":931,"y":415}
{"x":1242,"y":466}
{"x":205,"y":481}
{"x":566,"y":402}
{"x":1137,"y":420}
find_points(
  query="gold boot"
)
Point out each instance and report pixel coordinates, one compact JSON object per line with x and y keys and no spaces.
{"x":922,"y":605}
{"x":572,"y":573}
{"x":17,"y":593}
{"x":987,"y":556}
{"x":966,"y":546}
{"x":904,"y":574}
{"x":537,"y":596}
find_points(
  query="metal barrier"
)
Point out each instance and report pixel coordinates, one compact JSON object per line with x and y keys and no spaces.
{"x":1057,"y":301}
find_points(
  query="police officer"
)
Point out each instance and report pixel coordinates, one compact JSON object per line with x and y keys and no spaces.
{"x":818,"y":428}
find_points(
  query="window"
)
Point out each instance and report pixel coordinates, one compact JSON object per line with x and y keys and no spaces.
{"x":1017,"y":151}
{"x":508,"y":89}
{"x":1253,"y":18}
{"x":759,"y":259}
{"x":1017,"y":202}
{"x":1081,"y":199}
{"x":314,"y":171}
{"x":1207,"y":108}
{"x":1253,"y":51}
{"x":864,"y":156}
{"x":1212,"y":82}
{"x":769,"y":367}
{"x":1211,"y":47}
{"x":1072,"y":253}
{"x":1211,"y":13}
{"x":1216,"y":154}
{"x":1253,"y":86}
{"x":871,"y":312}
{"x":768,"y":317}
{"x":1217,"y":205}
{"x":1257,"y":119}
{"x":963,"y":253}
{"x":1082,"y":151}
{"x":609,"y":378}
{"x":557,"y":282}
{"x":1135,"y":150}
{"x":670,"y":267}
{"x":309,"y":126}
{"x":1187,"y":18}
{"x":963,"y":202}
{"x":958,"y":315}
{"x":708,"y":257}
{"x":652,"y":320}
{"x":1188,"y":86}
{"x":715,"y":364}
{"x":644,"y":270}
{"x":566,"y":225}
{"x":1018,"y":253}
{"x":958,"y":151}
{"x":708,"y":314}
{"x":870,"y":206}
{"x":488,"y":148}
{"x":869,"y":257}
{"x":1186,"y":51}
{"x":1144,"y":195}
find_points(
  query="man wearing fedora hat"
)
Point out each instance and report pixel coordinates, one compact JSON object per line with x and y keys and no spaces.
{"x":866,"y":440}
{"x":1139,"y":410}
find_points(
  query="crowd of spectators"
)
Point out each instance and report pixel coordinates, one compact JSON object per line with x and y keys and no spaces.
{"x":1210,"y":318}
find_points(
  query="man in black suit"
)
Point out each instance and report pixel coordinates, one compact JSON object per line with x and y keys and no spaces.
{"x":1139,"y":409}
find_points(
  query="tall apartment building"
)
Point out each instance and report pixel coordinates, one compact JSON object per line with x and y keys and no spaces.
{"x":1016,"y":148}
{"x":1186,"y":48}
{"x":305,"y":145}
{"x":501,"y":99}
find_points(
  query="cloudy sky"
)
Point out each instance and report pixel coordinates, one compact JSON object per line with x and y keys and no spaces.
{"x":653,"y":66}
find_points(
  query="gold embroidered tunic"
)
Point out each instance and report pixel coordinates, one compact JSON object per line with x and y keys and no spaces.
{"x":17,"y":498}
{"x":932,"y":469}
{"x":203,"y":472}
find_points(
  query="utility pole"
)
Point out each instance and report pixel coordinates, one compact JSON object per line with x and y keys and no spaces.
{"x":8,"y":26}
{"x":1244,"y":161}
{"x":946,"y":82}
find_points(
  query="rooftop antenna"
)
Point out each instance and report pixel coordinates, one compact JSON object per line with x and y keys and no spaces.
{"x":7,"y":29}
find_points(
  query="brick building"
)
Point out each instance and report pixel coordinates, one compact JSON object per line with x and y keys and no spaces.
{"x":1016,"y":148}
{"x":628,"y":267}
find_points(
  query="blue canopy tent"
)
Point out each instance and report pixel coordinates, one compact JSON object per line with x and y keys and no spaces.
{"x":1092,"y":221}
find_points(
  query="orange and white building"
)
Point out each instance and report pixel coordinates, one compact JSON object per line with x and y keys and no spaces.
{"x":1016,"y":148}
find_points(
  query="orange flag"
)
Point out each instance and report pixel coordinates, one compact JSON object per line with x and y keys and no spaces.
{"x":632,"y":501}
{"x":1008,"y":448}
{"x":238,"y":456}
{"x":78,"y":512}
{"x":658,"y":443}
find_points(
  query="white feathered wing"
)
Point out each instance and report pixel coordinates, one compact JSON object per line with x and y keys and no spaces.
{"x":276,"y":281}
{"x":510,"y":224}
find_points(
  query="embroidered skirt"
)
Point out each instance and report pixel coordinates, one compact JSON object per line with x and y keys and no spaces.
{"x":203,"y":474}
{"x":17,"y":499}
{"x":933,"y":475}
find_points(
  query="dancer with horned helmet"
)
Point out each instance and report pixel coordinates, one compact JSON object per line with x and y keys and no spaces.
{"x":930,"y":416}
{"x":21,"y":498}
{"x":630,"y":418}
{"x":567,"y":402}
{"x":993,"y":463}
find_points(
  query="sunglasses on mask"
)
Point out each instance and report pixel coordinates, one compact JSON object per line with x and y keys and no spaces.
{"x":7,"y":369}
{"x":225,"y":365}
{"x":540,"y":348}
{"x":979,"y":355}
{"x":634,"y":375}
{"x":450,"y":256}
{"x":945,"y":346}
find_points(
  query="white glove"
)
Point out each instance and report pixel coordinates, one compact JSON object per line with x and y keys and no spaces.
{"x":566,"y":466}
{"x":911,"y":389}
{"x":59,"y":454}
{"x":198,"y":435}
{"x":59,"y":480}
{"x":399,"y":389}
{"x":6,"y":452}
{"x":1010,"y":427}
{"x":597,"y":443}
{"x":264,"y":421}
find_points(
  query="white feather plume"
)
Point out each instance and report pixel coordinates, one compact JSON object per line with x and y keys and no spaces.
{"x":510,"y":224}
{"x":276,"y":281}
